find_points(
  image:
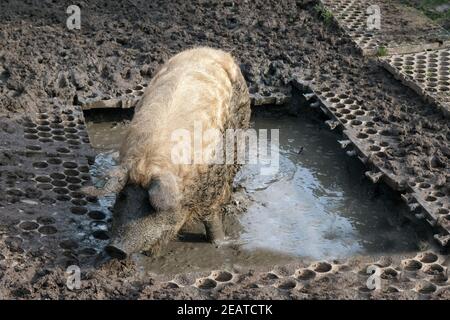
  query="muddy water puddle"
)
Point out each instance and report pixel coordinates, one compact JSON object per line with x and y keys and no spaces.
{"x":318,"y":205}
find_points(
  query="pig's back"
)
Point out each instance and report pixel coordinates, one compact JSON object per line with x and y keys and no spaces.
{"x":194,"y":87}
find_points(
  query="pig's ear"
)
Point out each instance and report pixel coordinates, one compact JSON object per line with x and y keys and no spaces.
{"x":163,"y":192}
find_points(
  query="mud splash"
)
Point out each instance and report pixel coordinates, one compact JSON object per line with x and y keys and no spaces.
{"x":318,"y":205}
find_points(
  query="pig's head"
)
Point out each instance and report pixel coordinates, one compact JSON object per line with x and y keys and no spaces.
{"x":144,"y":218}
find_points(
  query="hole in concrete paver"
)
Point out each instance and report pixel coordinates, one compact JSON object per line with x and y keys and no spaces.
{"x":43,"y":179}
{"x":63,"y":198}
{"x":44,"y":135}
{"x":46,"y":220}
{"x":433,"y":269}
{"x":100,"y":235}
{"x":71,"y":136}
{"x":61,"y":190}
{"x":91,"y":199}
{"x":47,"y":200}
{"x":425,"y":287}
{"x":54,"y":161}
{"x":34,"y":148}
{"x":78,"y":210}
{"x":58,"y":176}
{"x":58,"y":132}
{"x":15,"y":192}
{"x":79,"y":202}
{"x":85,"y":177}
{"x":77,"y":195}
{"x":221,"y":276}
{"x":391,"y":290}
{"x":74,"y":187}
{"x":71,"y":172}
{"x":44,"y":128}
{"x":412,"y":265}
{"x":381,"y":154}
{"x":269,"y":276}
{"x":362,"y":135}
{"x":304,"y":274}
{"x":73,"y":142}
{"x":96,"y":215}
{"x":206,"y":283}
{"x":389,"y":273}
{"x":439,"y":194}
{"x":322,"y":267}
{"x":88,"y":251}
{"x":56,"y":125}
{"x":47,"y":230}
{"x":424,"y":185}
{"x":84,"y":169}
{"x":45,"y":186}
{"x":286,"y":284}
{"x":63,"y":150}
{"x":59,"y":183}
{"x":28,"y":225}
{"x":428,"y":257}
{"x":70,"y":165}
{"x":73,"y":180}
{"x":40,"y":165}
{"x":68,"y":244}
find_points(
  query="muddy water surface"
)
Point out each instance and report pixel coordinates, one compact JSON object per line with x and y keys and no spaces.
{"x":318,"y":205}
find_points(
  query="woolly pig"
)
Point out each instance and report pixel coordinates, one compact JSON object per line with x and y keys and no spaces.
{"x":156,"y":195}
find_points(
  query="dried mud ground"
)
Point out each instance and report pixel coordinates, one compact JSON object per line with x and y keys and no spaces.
{"x":120,"y":44}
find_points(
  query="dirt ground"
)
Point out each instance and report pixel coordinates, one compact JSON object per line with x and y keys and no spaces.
{"x":120,"y":44}
{"x":438,"y":10}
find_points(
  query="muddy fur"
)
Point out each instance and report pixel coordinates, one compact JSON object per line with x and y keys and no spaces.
{"x":200,"y":86}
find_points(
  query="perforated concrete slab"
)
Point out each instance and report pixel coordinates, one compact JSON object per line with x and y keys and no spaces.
{"x":402,"y":29}
{"x":372,"y":141}
{"x":42,"y":211}
{"x":426,"y":72}
{"x":424,"y":273}
{"x":130,"y":98}
{"x":124,"y":100}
